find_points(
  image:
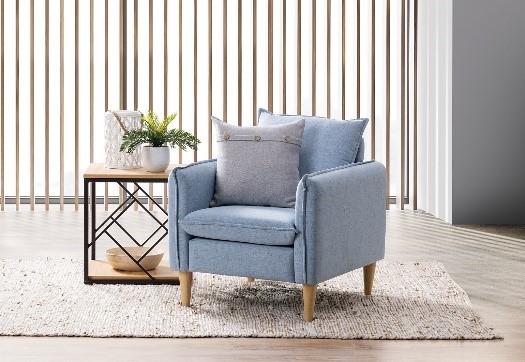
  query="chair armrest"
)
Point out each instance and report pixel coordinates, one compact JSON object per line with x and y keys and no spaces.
{"x":190,"y":188}
{"x":341,"y":218}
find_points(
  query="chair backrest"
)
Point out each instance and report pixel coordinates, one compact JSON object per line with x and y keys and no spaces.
{"x":327,"y":143}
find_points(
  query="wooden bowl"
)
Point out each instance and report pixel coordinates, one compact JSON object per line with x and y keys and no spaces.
{"x":119,"y":260}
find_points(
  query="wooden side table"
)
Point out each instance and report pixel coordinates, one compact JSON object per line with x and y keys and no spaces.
{"x":100,"y":271}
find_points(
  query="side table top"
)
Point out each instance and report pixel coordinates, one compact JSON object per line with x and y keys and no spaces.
{"x":99,"y":171}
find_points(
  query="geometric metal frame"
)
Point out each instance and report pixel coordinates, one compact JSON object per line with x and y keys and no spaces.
{"x":92,"y":232}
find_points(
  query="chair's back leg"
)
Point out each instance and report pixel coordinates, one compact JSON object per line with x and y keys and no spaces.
{"x":368,"y":273}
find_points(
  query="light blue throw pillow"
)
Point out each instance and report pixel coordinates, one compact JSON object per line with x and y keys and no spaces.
{"x":327,"y":143}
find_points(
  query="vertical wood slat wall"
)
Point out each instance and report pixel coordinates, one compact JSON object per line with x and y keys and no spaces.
{"x":169,"y":46}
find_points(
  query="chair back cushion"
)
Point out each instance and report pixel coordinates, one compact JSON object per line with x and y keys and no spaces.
{"x":257,"y":165}
{"x":327,"y":143}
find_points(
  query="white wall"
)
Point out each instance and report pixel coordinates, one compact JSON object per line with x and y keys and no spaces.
{"x":434,"y":108}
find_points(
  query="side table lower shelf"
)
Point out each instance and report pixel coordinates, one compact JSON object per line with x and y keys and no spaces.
{"x":101,"y":271}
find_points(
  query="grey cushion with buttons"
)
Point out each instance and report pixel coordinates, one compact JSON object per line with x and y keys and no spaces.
{"x":257,"y":165}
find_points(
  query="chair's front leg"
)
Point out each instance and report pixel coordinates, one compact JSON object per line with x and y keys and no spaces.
{"x":309,"y":292}
{"x":186,"y":281}
{"x":368,"y":274}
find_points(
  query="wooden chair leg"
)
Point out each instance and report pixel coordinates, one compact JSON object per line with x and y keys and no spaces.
{"x":186,"y":281}
{"x":309,"y":292}
{"x":250,"y":280}
{"x":368,"y":273}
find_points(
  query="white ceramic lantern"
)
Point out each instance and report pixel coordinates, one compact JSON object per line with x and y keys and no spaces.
{"x":116,"y":123}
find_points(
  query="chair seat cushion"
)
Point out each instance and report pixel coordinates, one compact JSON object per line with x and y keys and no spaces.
{"x":250,"y":224}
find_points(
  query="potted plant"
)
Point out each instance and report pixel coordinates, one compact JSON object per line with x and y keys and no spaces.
{"x":156,"y":140}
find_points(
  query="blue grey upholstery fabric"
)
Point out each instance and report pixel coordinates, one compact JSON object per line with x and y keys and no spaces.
{"x":257,"y":165}
{"x":339,"y":221}
{"x":327,"y":143}
{"x":190,"y":188}
{"x":248,"y":224}
{"x":361,"y":152}
{"x":341,"y":218}
{"x":242,"y":259}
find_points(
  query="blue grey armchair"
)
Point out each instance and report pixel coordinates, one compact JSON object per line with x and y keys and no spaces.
{"x":337,"y":225}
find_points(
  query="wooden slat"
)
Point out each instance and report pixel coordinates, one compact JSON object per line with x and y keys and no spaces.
{"x":358,"y":58}
{"x":62,"y":158}
{"x":284,"y":56}
{"x":165,"y":86}
{"x":299,"y":86}
{"x":254,"y":61}
{"x":195,"y":128}
{"x":314,"y":56}
{"x":150,"y":24}
{"x":123,"y":67}
{"x":328,"y":55}
{"x":270,"y":55}
{"x":136,"y":68}
{"x":387,"y":109}
{"x":77,"y":175}
{"x":239,"y":62}
{"x":210,"y":78}
{"x":17,"y":104}
{"x":414,"y":155}
{"x":123,"y":54}
{"x":373,"y":85}
{"x":165,"y":23}
{"x":343,"y":59}
{"x":31,"y":105}
{"x":165,"y":197}
{"x":46,"y":112}
{"x":136,"y":55}
{"x":91,"y":81}
{"x":2,"y":148}
{"x":106,"y":28}
{"x":180,"y":74}
{"x":225,"y":60}
{"x":402,"y":166}
{"x":150,"y":192}
{"x":150,"y":62}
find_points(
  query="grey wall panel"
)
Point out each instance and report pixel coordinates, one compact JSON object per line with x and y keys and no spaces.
{"x":488,"y":108}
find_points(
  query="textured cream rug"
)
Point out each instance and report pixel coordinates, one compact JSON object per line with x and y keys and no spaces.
{"x":411,"y":301}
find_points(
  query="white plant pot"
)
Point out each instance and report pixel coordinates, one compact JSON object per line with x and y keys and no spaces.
{"x":155,"y":159}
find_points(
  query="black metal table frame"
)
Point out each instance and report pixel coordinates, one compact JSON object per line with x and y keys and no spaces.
{"x":92,"y":232}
